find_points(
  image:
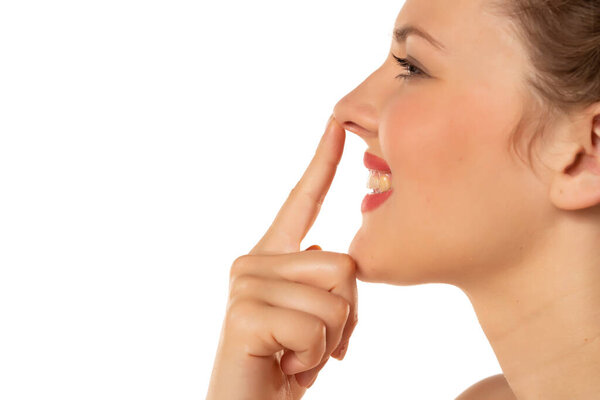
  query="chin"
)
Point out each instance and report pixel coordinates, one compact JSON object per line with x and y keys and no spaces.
{"x":378,"y":264}
{"x":368,"y":267}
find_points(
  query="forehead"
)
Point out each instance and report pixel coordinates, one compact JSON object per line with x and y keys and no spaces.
{"x":458,"y":24}
{"x":476,"y":39}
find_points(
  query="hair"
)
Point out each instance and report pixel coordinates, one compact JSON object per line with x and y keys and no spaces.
{"x":562,"y":39}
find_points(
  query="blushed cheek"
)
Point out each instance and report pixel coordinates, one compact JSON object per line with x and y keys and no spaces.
{"x":449,"y":161}
{"x":425,"y":142}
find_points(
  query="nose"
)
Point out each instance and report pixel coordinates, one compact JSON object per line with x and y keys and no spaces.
{"x":357,"y":111}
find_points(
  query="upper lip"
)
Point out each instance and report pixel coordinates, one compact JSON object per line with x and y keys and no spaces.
{"x":373,"y":162}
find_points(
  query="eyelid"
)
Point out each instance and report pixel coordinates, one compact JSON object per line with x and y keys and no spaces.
{"x":416,"y":63}
{"x":407,"y":63}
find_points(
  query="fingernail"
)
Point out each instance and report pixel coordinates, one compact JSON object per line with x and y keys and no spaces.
{"x":329,"y":120}
{"x":328,"y":127}
{"x":314,"y":247}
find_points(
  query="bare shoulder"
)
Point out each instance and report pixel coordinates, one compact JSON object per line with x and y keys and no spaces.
{"x":494,"y":387}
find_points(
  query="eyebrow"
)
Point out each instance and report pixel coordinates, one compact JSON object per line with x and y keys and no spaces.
{"x":402,"y":32}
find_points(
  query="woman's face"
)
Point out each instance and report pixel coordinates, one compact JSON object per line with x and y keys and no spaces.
{"x":463,"y":203}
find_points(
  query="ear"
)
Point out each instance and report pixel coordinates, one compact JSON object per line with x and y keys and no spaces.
{"x":576,"y":183}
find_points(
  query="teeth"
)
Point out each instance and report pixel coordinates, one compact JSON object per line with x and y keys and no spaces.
{"x":379,"y":181}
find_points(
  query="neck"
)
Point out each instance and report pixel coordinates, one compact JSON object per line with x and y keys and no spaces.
{"x":542,"y":315}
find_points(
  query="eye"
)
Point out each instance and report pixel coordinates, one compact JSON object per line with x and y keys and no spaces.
{"x":406,"y":64}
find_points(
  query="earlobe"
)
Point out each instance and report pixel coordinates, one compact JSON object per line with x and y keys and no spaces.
{"x":577,"y":186}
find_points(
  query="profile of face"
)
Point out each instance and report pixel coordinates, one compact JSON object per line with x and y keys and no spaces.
{"x":463,"y":203}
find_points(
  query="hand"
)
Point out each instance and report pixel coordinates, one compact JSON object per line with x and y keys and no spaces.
{"x":288,"y":310}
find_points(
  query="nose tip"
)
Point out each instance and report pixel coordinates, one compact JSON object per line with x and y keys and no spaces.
{"x":358,"y":118}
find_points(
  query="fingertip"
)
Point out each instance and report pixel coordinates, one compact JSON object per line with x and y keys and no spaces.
{"x":335,"y":121}
{"x":331,"y":117}
{"x":335,"y":125}
{"x":330,"y":135}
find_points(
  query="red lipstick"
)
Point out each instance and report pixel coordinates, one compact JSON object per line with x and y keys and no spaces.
{"x":371,"y":161}
{"x":374,"y":200}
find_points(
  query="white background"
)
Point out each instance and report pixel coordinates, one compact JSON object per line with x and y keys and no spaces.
{"x":144,"y":145}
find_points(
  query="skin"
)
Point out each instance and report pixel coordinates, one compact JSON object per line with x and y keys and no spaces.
{"x":288,"y":310}
{"x":522,"y":241}
{"x":492,"y":388}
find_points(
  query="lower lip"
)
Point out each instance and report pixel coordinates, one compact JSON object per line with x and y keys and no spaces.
{"x":374,"y":200}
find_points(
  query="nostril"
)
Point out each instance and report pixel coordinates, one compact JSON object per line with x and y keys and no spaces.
{"x":349,"y":124}
{"x":355,"y":128}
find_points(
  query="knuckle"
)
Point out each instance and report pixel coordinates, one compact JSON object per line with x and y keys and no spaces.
{"x":340,"y":310}
{"x":238,"y":312}
{"x":317,"y":339}
{"x":237,"y":265}
{"x":243,"y":284}
{"x":318,"y":331}
{"x":347,"y":266}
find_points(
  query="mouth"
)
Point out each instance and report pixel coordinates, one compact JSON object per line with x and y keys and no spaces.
{"x":380,"y":174}
{"x":375,"y":163}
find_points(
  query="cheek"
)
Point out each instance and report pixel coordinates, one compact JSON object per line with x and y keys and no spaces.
{"x":452,"y":177}
{"x":446,"y":144}
{"x":424,"y":142}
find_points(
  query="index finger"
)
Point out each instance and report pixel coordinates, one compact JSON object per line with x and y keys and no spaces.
{"x":302,"y":206}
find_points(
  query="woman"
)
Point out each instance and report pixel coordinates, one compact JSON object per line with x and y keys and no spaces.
{"x":484,"y":121}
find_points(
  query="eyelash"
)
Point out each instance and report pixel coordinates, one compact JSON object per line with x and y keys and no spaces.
{"x":406,"y":64}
